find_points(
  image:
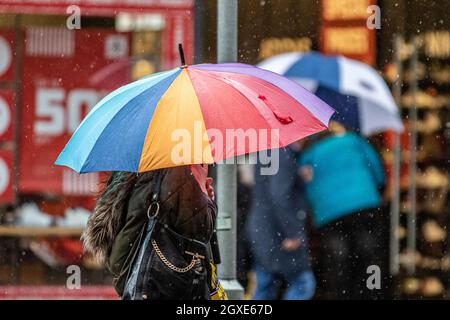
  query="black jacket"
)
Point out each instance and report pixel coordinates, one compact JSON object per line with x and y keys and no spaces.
{"x":278,"y":211}
{"x":114,"y":229}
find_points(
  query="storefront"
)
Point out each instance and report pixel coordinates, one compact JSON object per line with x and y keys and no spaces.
{"x":268,"y":28}
{"x":57,"y":60}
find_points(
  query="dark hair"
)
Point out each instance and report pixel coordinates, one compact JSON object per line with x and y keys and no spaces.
{"x":108,"y":214}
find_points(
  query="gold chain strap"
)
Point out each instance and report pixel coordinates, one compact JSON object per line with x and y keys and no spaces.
{"x":170,"y":265}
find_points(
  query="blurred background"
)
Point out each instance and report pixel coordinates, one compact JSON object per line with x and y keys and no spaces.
{"x":53,"y":70}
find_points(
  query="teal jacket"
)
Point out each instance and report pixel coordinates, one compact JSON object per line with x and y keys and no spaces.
{"x":346,"y":176}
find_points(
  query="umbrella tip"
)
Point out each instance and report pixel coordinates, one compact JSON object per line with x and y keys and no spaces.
{"x":181,"y":51}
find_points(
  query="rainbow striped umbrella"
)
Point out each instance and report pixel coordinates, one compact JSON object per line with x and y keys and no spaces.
{"x":187,"y":116}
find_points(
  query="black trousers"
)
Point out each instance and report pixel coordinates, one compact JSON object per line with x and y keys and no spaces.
{"x":348,"y":246}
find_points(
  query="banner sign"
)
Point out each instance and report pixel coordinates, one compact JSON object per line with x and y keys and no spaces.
{"x":6,"y":183}
{"x":89,"y":7}
{"x":6,"y":115}
{"x":58,"y":90}
{"x":345,"y":10}
{"x":355,"y":42}
{"x":345,"y":30}
{"x":6,"y":55}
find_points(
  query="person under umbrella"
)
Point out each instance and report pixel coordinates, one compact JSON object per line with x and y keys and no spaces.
{"x":155,"y":129}
{"x":276,"y":229}
{"x":343,"y":173}
{"x":344,"y":180}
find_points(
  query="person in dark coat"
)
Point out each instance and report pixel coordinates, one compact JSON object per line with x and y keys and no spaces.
{"x":113,"y":231}
{"x":344,"y":182}
{"x":276,"y":229}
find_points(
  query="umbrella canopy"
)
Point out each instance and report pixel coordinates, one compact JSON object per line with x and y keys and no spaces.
{"x":360,"y":96}
{"x":138,"y":126}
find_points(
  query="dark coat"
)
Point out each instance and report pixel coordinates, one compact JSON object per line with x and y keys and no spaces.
{"x":278,"y":212}
{"x":114,"y":229}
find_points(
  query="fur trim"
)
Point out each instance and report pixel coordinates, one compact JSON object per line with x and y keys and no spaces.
{"x":109,"y":212}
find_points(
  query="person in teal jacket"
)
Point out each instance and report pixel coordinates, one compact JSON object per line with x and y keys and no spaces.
{"x":344,"y":176}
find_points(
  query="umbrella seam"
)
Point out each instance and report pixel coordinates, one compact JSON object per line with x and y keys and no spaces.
{"x":93,"y":146}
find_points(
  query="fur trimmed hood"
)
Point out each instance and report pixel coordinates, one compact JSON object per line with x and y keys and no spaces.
{"x":108,"y":215}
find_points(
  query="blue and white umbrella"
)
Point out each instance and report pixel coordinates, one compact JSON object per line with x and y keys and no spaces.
{"x":360,"y":96}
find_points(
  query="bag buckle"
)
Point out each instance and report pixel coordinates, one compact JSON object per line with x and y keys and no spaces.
{"x":153,"y":207}
{"x":195,"y":255}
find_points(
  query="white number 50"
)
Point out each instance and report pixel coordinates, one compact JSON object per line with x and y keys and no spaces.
{"x":50,"y":106}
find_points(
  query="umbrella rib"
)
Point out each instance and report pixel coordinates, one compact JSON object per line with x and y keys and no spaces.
{"x":132,"y":85}
{"x":120,"y":110}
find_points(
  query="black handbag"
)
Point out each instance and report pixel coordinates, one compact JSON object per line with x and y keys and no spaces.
{"x":168,"y":266}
